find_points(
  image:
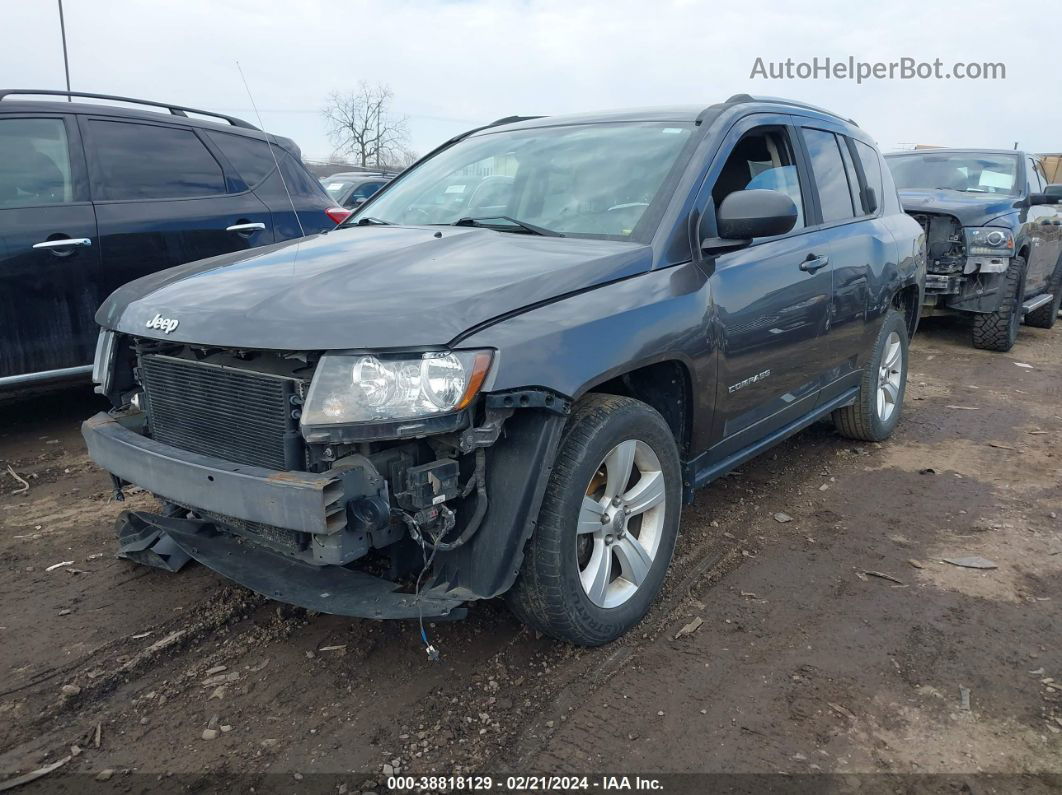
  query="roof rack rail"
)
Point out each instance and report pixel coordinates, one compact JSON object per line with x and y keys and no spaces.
{"x":176,"y":110}
{"x":740,"y":98}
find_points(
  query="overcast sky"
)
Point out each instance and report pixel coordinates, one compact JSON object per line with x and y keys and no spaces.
{"x":455,"y":64}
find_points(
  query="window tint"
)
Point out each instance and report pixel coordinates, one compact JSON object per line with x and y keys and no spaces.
{"x":249,"y":156}
{"x":142,"y":161}
{"x":34,"y":163}
{"x":761,"y":160}
{"x":828,"y":167}
{"x":871,"y":163}
{"x":300,"y":182}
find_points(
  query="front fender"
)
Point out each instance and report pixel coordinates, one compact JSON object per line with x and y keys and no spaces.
{"x":571,"y":345}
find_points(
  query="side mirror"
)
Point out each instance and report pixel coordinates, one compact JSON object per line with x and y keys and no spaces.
{"x":1046,"y":198}
{"x":746,"y":214}
{"x":1053,"y":190}
{"x":353,"y":203}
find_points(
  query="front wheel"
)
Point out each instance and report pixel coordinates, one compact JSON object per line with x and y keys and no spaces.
{"x":998,"y":331}
{"x":607,"y":527}
{"x":874,"y":415}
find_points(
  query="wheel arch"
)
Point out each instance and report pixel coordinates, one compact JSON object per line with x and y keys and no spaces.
{"x":665,"y":385}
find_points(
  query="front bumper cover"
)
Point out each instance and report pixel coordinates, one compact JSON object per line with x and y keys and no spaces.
{"x":299,"y":501}
{"x":302,"y":501}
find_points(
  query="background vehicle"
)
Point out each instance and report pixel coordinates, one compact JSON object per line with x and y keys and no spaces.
{"x":95,"y":195}
{"x":524,"y":397}
{"x":994,"y":237}
{"x":352,"y":189}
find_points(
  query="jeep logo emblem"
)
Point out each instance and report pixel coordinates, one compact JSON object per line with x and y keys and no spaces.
{"x":161,"y":323}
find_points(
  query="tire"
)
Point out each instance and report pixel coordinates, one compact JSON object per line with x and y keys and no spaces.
{"x":602,"y":434}
{"x":874,"y":415}
{"x":998,"y":331}
{"x":1046,"y":315}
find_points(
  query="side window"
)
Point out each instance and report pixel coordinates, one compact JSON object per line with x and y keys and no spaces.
{"x":300,"y":182}
{"x":366,"y":190}
{"x":249,"y":156}
{"x":868,"y":158}
{"x":142,"y":161}
{"x":1036,"y":182}
{"x":34,"y":163}
{"x":850,"y":172}
{"x":828,"y":167}
{"x":761,"y":160}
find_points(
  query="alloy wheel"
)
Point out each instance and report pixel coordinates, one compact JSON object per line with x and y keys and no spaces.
{"x":889,"y":374}
{"x":621,"y":523}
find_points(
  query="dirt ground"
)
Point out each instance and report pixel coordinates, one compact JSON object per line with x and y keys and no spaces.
{"x":837,"y":642}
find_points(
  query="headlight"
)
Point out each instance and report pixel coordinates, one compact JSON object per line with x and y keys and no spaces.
{"x":350,"y":388}
{"x":989,"y":241}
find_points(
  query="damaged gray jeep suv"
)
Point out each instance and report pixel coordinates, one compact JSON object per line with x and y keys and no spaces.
{"x":507,"y":371}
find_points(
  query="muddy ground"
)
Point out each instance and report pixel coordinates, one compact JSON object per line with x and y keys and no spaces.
{"x":838,"y":642}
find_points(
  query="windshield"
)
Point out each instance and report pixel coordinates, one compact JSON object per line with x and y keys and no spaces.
{"x":335,"y":189}
{"x":595,"y":180}
{"x":969,"y":172}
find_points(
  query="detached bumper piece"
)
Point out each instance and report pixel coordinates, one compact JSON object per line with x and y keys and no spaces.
{"x":285,"y":535}
{"x":326,"y":589}
{"x":148,"y":545}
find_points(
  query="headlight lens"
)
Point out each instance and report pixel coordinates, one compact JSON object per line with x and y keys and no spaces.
{"x":369,"y":388}
{"x":989,"y":241}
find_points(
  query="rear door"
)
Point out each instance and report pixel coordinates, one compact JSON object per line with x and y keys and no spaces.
{"x":858,"y":243}
{"x":49,"y":252}
{"x":290,"y":189}
{"x":163,"y":198}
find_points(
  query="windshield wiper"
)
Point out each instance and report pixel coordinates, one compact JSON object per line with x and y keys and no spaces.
{"x":532,"y":228}
{"x":368,"y":219}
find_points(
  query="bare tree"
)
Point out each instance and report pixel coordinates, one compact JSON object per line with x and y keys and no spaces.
{"x":361,"y":125}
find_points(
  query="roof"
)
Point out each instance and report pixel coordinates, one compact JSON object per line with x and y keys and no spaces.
{"x":936,"y":150}
{"x":11,"y":101}
{"x":668,"y":113}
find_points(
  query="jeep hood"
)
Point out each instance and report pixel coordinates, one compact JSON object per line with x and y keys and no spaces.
{"x":972,"y":209}
{"x":364,"y":287}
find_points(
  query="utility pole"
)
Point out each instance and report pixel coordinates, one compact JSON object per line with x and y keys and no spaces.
{"x":66,"y":61}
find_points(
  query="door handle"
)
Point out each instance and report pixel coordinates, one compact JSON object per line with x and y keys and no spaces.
{"x":246,"y":229}
{"x":813,"y":263}
{"x":66,"y":242}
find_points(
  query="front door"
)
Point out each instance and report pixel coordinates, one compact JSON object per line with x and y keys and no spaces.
{"x":772,"y":298}
{"x":49,"y":253}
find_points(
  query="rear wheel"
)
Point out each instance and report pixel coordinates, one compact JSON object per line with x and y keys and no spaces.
{"x":607,"y":527}
{"x":998,"y":331}
{"x":876,"y":411}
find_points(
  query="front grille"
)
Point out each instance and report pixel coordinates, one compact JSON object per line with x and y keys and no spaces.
{"x":233,"y":414}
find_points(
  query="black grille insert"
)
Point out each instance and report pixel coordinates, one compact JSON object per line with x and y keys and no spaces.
{"x":233,"y":414}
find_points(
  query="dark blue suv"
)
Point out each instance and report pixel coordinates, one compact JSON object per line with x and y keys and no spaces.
{"x":95,"y":195}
